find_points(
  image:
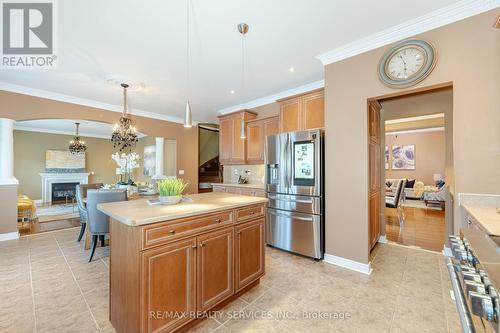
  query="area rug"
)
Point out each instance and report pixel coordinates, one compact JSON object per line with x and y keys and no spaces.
{"x":56,"y":212}
{"x":420,"y":204}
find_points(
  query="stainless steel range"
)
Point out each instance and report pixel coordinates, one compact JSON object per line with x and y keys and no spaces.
{"x":475,"y":278}
{"x":295,"y":189}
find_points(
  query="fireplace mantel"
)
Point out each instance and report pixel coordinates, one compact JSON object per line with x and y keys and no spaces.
{"x":49,"y":177}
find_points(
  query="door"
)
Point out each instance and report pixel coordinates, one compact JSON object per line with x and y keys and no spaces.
{"x":215,"y":268}
{"x":291,"y":115}
{"x":255,"y":142}
{"x":168,"y":270}
{"x":238,"y":149}
{"x":295,"y":232}
{"x":249,"y":253}
{"x":225,"y":139}
{"x":304,"y":156}
{"x":374,"y":172}
{"x":314,"y":110}
{"x":276,"y":163}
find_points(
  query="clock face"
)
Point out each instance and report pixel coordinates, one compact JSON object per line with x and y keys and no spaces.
{"x":406,"y":63}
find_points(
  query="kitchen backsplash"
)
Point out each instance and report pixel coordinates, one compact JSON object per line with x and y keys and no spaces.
{"x":232,"y":172}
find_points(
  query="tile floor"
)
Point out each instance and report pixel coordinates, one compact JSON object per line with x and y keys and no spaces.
{"x":47,"y":285}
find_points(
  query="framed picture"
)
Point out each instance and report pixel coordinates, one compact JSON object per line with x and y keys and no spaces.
{"x":149,"y":160}
{"x":403,"y":157}
{"x":387,"y":157}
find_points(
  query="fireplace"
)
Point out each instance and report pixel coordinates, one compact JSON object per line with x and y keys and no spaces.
{"x":63,"y":191}
{"x":50,"y":178}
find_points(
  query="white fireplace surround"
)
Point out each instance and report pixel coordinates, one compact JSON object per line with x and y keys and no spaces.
{"x":49,"y":178}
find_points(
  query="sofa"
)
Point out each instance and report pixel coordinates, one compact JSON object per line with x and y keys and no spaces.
{"x":414,"y":189}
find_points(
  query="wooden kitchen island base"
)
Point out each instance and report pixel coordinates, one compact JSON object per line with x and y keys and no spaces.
{"x":166,"y":276}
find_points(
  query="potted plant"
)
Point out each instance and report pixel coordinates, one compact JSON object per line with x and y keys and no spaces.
{"x":170,"y":190}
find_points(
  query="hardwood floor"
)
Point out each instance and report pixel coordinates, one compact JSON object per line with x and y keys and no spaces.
{"x":36,"y":227}
{"x":423,"y":228}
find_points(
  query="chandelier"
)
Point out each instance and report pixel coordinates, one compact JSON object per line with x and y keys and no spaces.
{"x":77,"y":145}
{"x":124,"y":134}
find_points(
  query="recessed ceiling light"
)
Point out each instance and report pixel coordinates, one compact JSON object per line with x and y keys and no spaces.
{"x":291,"y":69}
{"x":232,"y":92}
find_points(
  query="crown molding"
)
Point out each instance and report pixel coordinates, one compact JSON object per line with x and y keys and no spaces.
{"x":84,"y":101}
{"x":435,"y":19}
{"x":272,"y":98}
{"x":84,"y":134}
{"x":417,"y":118}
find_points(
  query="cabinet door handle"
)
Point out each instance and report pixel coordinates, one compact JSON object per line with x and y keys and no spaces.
{"x":238,"y":232}
{"x":194,"y":247}
{"x":202,"y":245}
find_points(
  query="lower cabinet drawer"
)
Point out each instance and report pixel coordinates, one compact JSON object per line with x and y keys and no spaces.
{"x":248,"y":213}
{"x":163,"y":233}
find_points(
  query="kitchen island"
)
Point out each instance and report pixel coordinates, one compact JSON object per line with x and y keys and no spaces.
{"x":170,"y":265}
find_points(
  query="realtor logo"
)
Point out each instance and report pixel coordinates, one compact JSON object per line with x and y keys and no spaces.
{"x":28,"y":30}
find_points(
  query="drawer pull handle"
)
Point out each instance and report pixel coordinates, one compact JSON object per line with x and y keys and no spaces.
{"x":238,"y":232}
{"x":172,"y":232}
{"x":194,"y":247}
{"x":218,"y":220}
{"x":252,"y":212}
{"x":202,"y":245}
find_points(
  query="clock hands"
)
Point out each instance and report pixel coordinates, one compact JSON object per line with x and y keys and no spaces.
{"x":404,"y":63}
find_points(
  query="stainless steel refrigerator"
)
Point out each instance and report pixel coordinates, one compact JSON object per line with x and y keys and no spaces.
{"x":295,"y":189}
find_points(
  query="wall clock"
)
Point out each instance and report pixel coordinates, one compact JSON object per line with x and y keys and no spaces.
{"x":407,"y":63}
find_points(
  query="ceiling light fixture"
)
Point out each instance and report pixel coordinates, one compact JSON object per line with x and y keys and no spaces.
{"x":77,"y":146}
{"x":243,"y":29}
{"x":124,"y":134}
{"x":292,"y":69}
{"x":188,"y":122}
{"x":232,"y":92}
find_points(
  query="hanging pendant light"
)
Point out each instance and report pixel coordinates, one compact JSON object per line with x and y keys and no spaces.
{"x":124,"y":134}
{"x":187,"y":111}
{"x":77,"y":146}
{"x":243,"y":29}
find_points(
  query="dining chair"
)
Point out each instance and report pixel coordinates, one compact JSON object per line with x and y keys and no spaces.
{"x":81,"y":193}
{"x":98,"y":221}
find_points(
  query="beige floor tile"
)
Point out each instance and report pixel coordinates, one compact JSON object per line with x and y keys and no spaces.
{"x":224,"y":314}
{"x":206,"y":326}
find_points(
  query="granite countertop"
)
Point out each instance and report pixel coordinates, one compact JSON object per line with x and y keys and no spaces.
{"x":139,"y":212}
{"x":255,"y":186}
{"x":486,"y":215}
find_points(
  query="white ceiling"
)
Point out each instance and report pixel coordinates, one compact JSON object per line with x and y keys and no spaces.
{"x":66,"y":126}
{"x":146,"y":41}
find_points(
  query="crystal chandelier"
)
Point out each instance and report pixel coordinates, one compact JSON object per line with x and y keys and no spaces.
{"x":124,"y":134}
{"x":77,"y":145}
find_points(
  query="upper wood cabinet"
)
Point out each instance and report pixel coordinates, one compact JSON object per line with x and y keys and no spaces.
{"x":257,"y":131}
{"x":232,"y":148}
{"x":302,"y":112}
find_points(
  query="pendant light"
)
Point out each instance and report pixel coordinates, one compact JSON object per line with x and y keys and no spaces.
{"x":243,"y":29}
{"x":187,"y":111}
{"x":77,"y":146}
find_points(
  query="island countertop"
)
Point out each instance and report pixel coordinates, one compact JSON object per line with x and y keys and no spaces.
{"x":486,"y":215}
{"x":139,"y":212}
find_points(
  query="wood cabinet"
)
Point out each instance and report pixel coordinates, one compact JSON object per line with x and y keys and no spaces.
{"x":374,"y":173}
{"x":242,"y":190}
{"x":215,"y":268}
{"x":302,"y":112}
{"x":159,"y":286}
{"x":249,"y":252}
{"x":232,"y":148}
{"x":257,"y":131}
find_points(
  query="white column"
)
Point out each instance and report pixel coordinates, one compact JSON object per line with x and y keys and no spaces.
{"x":7,"y":151}
{"x":159,"y":160}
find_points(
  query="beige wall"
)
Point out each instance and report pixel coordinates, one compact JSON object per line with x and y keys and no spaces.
{"x":8,"y":207}
{"x":22,"y":107}
{"x":29,"y":159}
{"x":460,"y":46}
{"x":429,"y":155}
{"x":169,"y":158}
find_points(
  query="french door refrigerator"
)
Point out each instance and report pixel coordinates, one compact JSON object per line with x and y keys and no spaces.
{"x":295,"y":188}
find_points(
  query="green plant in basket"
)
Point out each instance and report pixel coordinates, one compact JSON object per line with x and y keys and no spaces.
{"x":171,"y":187}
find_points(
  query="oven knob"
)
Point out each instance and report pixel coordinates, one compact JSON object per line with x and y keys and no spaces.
{"x":460,"y":255}
{"x":472,"y":286}
{"x":482,"y":305}
{"x":467,"y":268}
{"x":454,"y":238}
{"x":468,"y":276}
{"x":457,"y":247}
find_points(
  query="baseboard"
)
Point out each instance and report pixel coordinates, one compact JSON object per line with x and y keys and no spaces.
{"x":382,"y":239}
{"x":9,"y":236}
{"x":348,"y":263}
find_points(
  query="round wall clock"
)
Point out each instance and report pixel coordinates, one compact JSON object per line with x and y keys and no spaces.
{"x":407,"y":63}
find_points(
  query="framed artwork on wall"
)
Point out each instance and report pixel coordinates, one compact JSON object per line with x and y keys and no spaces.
{"x":403,"y":157}
{"x":387,"y":157}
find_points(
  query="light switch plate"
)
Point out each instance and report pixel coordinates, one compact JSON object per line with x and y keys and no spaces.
{"x":181,"y":172}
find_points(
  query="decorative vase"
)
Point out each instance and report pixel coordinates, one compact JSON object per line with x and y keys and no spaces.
{"x":170,"y":200}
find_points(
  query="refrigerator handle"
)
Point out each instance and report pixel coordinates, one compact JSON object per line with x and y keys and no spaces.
{"x":290,"y":163}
